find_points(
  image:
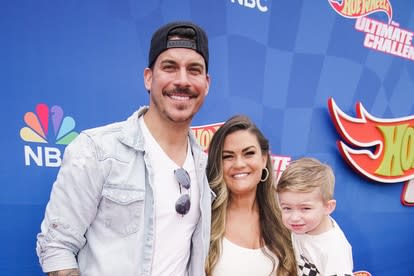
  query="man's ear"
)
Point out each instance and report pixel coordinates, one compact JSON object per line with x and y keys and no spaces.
{"x":208,"y":84}
{"x":330,"y":206}
{"x":148,"y":78}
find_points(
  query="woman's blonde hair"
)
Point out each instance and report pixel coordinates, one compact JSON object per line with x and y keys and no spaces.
{"x":273,"y":234}
{"x":305,"y":175}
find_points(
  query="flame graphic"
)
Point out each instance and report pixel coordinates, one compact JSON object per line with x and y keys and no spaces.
{"x":357,"y":8}
{"x":38,"y":125}
{"x":392,"y":141}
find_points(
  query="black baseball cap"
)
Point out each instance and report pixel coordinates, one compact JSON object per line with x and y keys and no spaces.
{"x":160,"y":42}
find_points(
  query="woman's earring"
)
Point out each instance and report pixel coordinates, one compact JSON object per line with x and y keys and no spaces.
{"x":264,"y":171}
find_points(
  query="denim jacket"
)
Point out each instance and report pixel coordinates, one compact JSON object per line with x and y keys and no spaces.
{"x":100,"y":216}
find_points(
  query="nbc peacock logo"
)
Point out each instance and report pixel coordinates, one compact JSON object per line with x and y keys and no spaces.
{"x":38,"y":130}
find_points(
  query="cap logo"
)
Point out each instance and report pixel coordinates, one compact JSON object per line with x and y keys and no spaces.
{"x":178,"y":43}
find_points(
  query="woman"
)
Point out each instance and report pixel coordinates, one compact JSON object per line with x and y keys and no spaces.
{"x":247,"y":234}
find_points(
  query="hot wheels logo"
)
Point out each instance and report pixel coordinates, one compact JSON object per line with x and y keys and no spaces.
{"x":359,"y":8}
{"x":205,"y":133}
{"x":386,"y":146}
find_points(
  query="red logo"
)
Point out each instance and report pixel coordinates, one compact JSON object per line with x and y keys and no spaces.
{"x":383,"y":149}
{"x":359,"y":8}
{"x":205,"y":133}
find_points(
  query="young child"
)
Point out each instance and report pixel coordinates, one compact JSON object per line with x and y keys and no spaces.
{"x":305,"y":194}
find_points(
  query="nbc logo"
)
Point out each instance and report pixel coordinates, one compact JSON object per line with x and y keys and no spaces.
{"x":37,"y":130}
{"x":253,"y":4}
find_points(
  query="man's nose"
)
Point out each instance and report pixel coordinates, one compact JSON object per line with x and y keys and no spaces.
{"x":182,"y":78}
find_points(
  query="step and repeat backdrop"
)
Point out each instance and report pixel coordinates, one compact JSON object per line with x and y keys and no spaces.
{"x":331,"y":79}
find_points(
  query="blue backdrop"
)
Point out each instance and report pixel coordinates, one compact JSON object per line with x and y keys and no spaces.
{"x":277,"y":61}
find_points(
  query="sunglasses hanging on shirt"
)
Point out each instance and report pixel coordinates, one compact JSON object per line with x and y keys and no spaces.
{"x":183,"y":204}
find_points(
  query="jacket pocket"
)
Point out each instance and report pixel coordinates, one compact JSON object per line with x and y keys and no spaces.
{"x":122,"y":209}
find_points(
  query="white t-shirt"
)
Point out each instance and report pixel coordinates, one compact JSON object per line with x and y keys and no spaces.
{"x":330,"y":253}
{"x":241,"y":261}
{"x":173,"y":231}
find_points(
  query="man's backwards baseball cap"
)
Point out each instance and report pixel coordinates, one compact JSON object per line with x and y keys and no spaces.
{"x":160,"y":41}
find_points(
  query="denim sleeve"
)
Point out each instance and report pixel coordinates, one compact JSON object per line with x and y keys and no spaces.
{"x":72,"y":206}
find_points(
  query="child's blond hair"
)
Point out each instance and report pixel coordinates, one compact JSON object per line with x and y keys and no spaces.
{"x":306,"y":174}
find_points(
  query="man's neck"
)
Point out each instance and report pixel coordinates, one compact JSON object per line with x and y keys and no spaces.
{"x":172,"y":137}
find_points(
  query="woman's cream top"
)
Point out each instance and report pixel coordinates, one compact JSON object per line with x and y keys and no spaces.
{"x":241,"y":261}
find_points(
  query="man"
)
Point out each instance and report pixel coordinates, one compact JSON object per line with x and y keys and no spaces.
{"x":132,"y":198}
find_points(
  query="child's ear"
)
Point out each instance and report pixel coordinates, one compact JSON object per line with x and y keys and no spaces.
{"x":330,"y":206}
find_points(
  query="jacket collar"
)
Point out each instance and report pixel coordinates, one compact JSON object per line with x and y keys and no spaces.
{"x":131,"y":134}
